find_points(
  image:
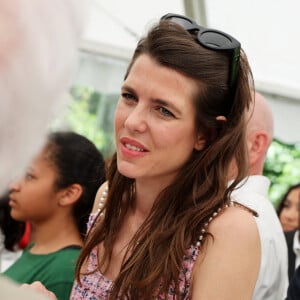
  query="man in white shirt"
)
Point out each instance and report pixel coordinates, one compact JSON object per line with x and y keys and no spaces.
{"x":272,"y":281}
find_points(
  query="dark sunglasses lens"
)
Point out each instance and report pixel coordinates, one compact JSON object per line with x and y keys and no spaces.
{"x":185,"y":23}
{"x":215,"y":40}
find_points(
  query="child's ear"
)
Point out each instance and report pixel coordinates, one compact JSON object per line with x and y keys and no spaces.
{"x":199,"y":143}
{"x":70,"y":194}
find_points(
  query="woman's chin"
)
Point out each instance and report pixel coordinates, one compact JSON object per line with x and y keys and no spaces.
{"x":127,"y":170}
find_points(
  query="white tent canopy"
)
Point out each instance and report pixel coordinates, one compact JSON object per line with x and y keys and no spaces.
{"x":268,"y":30}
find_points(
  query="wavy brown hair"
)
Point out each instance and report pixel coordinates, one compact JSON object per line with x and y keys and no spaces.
{"x":156,"y":251}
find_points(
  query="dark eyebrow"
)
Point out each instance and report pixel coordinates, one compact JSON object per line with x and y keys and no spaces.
{"x":128,"y":88}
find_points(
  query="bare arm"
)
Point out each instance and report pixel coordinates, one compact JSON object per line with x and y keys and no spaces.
{"x":228,"y":267}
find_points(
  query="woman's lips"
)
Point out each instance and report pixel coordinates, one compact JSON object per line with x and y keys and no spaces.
{"x":132,"y":144}
{"x":132,"y":148}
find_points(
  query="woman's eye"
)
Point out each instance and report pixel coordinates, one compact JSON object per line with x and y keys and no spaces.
{"x":165,"y":112}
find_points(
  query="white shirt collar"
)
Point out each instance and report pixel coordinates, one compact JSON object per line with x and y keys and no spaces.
{"x":296,"y":243}
{"x":254,"y":183}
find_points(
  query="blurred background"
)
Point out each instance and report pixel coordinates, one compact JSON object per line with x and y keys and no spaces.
{"x":268,"y":30}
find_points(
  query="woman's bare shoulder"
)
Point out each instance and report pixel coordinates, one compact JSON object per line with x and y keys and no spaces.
{"x":101,"y":193}
{"x":230,"y":257}
{"x":235,"y":219}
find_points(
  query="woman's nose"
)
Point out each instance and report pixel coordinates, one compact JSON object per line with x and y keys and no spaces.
{"x":293,"y":215}
{"x":136,"y":119}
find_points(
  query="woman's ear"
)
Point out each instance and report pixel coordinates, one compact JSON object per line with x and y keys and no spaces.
{"x":70,"y":194}
{"x":200,"y":143}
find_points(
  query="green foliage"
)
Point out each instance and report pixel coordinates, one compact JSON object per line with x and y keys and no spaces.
{"x":282,"y":167}
{"x":83,"y":122}
{"x":81,"y":117}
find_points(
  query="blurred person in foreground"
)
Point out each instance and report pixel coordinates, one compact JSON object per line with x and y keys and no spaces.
{"x":38,"y":55}
{"x":253,"y":192}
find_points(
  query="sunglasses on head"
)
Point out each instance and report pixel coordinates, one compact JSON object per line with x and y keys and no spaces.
{"x":212,"y":39}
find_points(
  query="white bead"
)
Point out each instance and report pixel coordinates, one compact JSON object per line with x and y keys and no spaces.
{"x":101,"y":201}
{"x":203,"y":230}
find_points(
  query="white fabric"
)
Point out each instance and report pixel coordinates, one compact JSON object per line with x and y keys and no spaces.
{"x":296,"y":248}
{"x":7,"y":258}
{"x":272,"y":281}
{"x":38,"y":55}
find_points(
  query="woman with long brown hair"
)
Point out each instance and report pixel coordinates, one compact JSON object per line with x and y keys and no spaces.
{"x":164,"y":225}
{"x":179,"y":124}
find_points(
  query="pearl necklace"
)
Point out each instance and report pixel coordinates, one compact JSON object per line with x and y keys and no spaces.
{"x":203,"y":230}
{"x":205,"y":226}
{"x":102,"y":200}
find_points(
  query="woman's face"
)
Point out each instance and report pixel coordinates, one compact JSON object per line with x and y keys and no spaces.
{"x":33,"y":197}
{"x":155,"y":122}
{"x":289,"y":216}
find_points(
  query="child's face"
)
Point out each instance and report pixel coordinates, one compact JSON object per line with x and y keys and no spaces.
{"x":34,"y":197}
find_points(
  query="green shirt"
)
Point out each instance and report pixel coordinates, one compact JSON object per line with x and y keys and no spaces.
{"x":55,"y":270}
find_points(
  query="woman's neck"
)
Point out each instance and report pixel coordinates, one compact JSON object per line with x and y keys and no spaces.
{"x":146,"y":194}
{"x":147,"y":191}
